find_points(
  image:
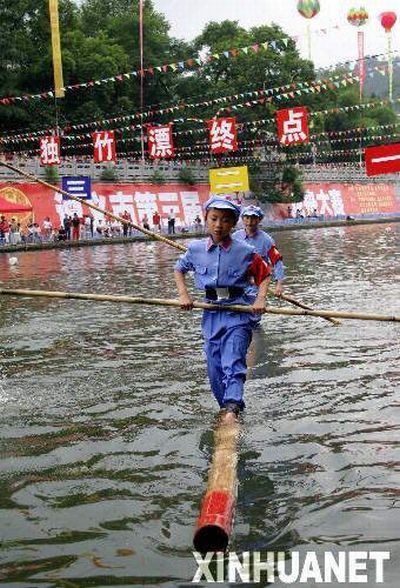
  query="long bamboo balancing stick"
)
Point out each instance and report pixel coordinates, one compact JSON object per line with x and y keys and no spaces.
{"x":362,"y":316}
{"x":299,"y":304}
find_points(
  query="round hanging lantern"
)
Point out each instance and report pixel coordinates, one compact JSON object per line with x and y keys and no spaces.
{"x":308,"y":8}
{"x":357,"y":16}
{"x":388,"y":20}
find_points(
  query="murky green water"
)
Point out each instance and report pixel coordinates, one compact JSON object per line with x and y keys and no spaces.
{"x":106,"y":417}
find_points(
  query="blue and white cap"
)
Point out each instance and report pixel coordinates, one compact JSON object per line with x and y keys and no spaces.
{"x":222,"y":204}
{"x":253,"y":211}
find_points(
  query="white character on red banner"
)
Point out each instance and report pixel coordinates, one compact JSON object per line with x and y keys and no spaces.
{"x":50,"y":151}
{"x":337,"y":202}
{"x":160,"y":143}
{"x":292,"y":125}
{"x":104,"y":146}
{"x":223,"y":136}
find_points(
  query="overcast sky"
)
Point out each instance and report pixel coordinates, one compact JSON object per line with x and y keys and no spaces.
{"x":188,"y":17}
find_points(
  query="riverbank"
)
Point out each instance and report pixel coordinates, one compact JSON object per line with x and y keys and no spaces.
{"x":272,"y":228}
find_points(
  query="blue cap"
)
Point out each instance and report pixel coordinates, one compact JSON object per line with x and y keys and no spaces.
{"x":253,"y":211}
{"x":222,"y":204}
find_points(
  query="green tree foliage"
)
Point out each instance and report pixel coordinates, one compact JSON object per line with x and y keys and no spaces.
{"x":186,"y":176}
{"x":100,"y":39}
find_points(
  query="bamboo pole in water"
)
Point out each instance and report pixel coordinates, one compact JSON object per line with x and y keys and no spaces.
{"x":284,"y":311}
{"x":215,"y":521}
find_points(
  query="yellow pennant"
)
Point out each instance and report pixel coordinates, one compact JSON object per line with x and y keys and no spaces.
{"x":55,"y":41}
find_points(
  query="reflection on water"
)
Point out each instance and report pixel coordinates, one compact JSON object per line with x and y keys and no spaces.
{"x":106,"y":417}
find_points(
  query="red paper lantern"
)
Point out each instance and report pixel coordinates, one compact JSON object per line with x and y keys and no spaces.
{"x":388,"y":20}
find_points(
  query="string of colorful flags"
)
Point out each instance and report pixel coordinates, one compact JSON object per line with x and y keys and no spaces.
{"x":193,"y":62}
{"x":328,"y":84}
{"x":160,"y":141}
{"x":287,"y":91}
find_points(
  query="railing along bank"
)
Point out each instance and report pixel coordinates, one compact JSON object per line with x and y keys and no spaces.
{"x":135,"y":172}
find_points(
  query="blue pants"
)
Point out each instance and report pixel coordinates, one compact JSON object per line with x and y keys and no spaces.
{"x":227,"y":339}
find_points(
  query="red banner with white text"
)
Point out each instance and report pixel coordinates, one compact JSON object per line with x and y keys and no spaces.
{"x":324,"y":199}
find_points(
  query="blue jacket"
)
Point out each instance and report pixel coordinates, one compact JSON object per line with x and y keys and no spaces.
{"x":218,"y":266}
{"x":265,"y":246}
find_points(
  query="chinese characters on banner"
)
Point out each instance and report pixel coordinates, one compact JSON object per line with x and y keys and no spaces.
{"x":292,"y":125}
{"x":160,"y":142}
{"x":104,"y":146}
{"x":50,"y":151}
{"x":223,"y":135}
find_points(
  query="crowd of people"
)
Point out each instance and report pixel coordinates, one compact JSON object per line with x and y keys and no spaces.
{"x":74,"y":228}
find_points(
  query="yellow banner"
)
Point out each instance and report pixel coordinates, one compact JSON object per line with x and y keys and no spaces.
{"x":55,"y":41}
{"x":229,"y":179}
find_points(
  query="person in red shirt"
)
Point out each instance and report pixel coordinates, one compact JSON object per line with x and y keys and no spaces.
{"x":76,"y":223}
{"x":4,"y":230}
{"x":125,"y":227}
{"x":157,"y":221}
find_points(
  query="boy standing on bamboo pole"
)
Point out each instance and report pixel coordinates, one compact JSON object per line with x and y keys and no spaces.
{"x":224,"y":268}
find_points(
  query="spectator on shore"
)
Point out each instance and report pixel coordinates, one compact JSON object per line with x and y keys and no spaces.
{"x":33,"y":233}
{"x":76,"y":223}
{"x":67,"y":226}
{"x":15,"y":234}
{"x":61,"y":234}
{"x":171,"y":222}
{"x":197,"y":224}
{"x":126,"y":227}
{"x":145,"y":222}
{"x":87,"y":228}
{"x":99,"y":229}
{"x":157,"y":221}
{"x":4,"y":230}
{"x":47,"y":228}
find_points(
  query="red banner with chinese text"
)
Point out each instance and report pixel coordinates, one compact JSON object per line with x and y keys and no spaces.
{"x":223,"y":135}
{"x":103,"y":146}
{"x":327,"y":199}
{"x":160,"y":142}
